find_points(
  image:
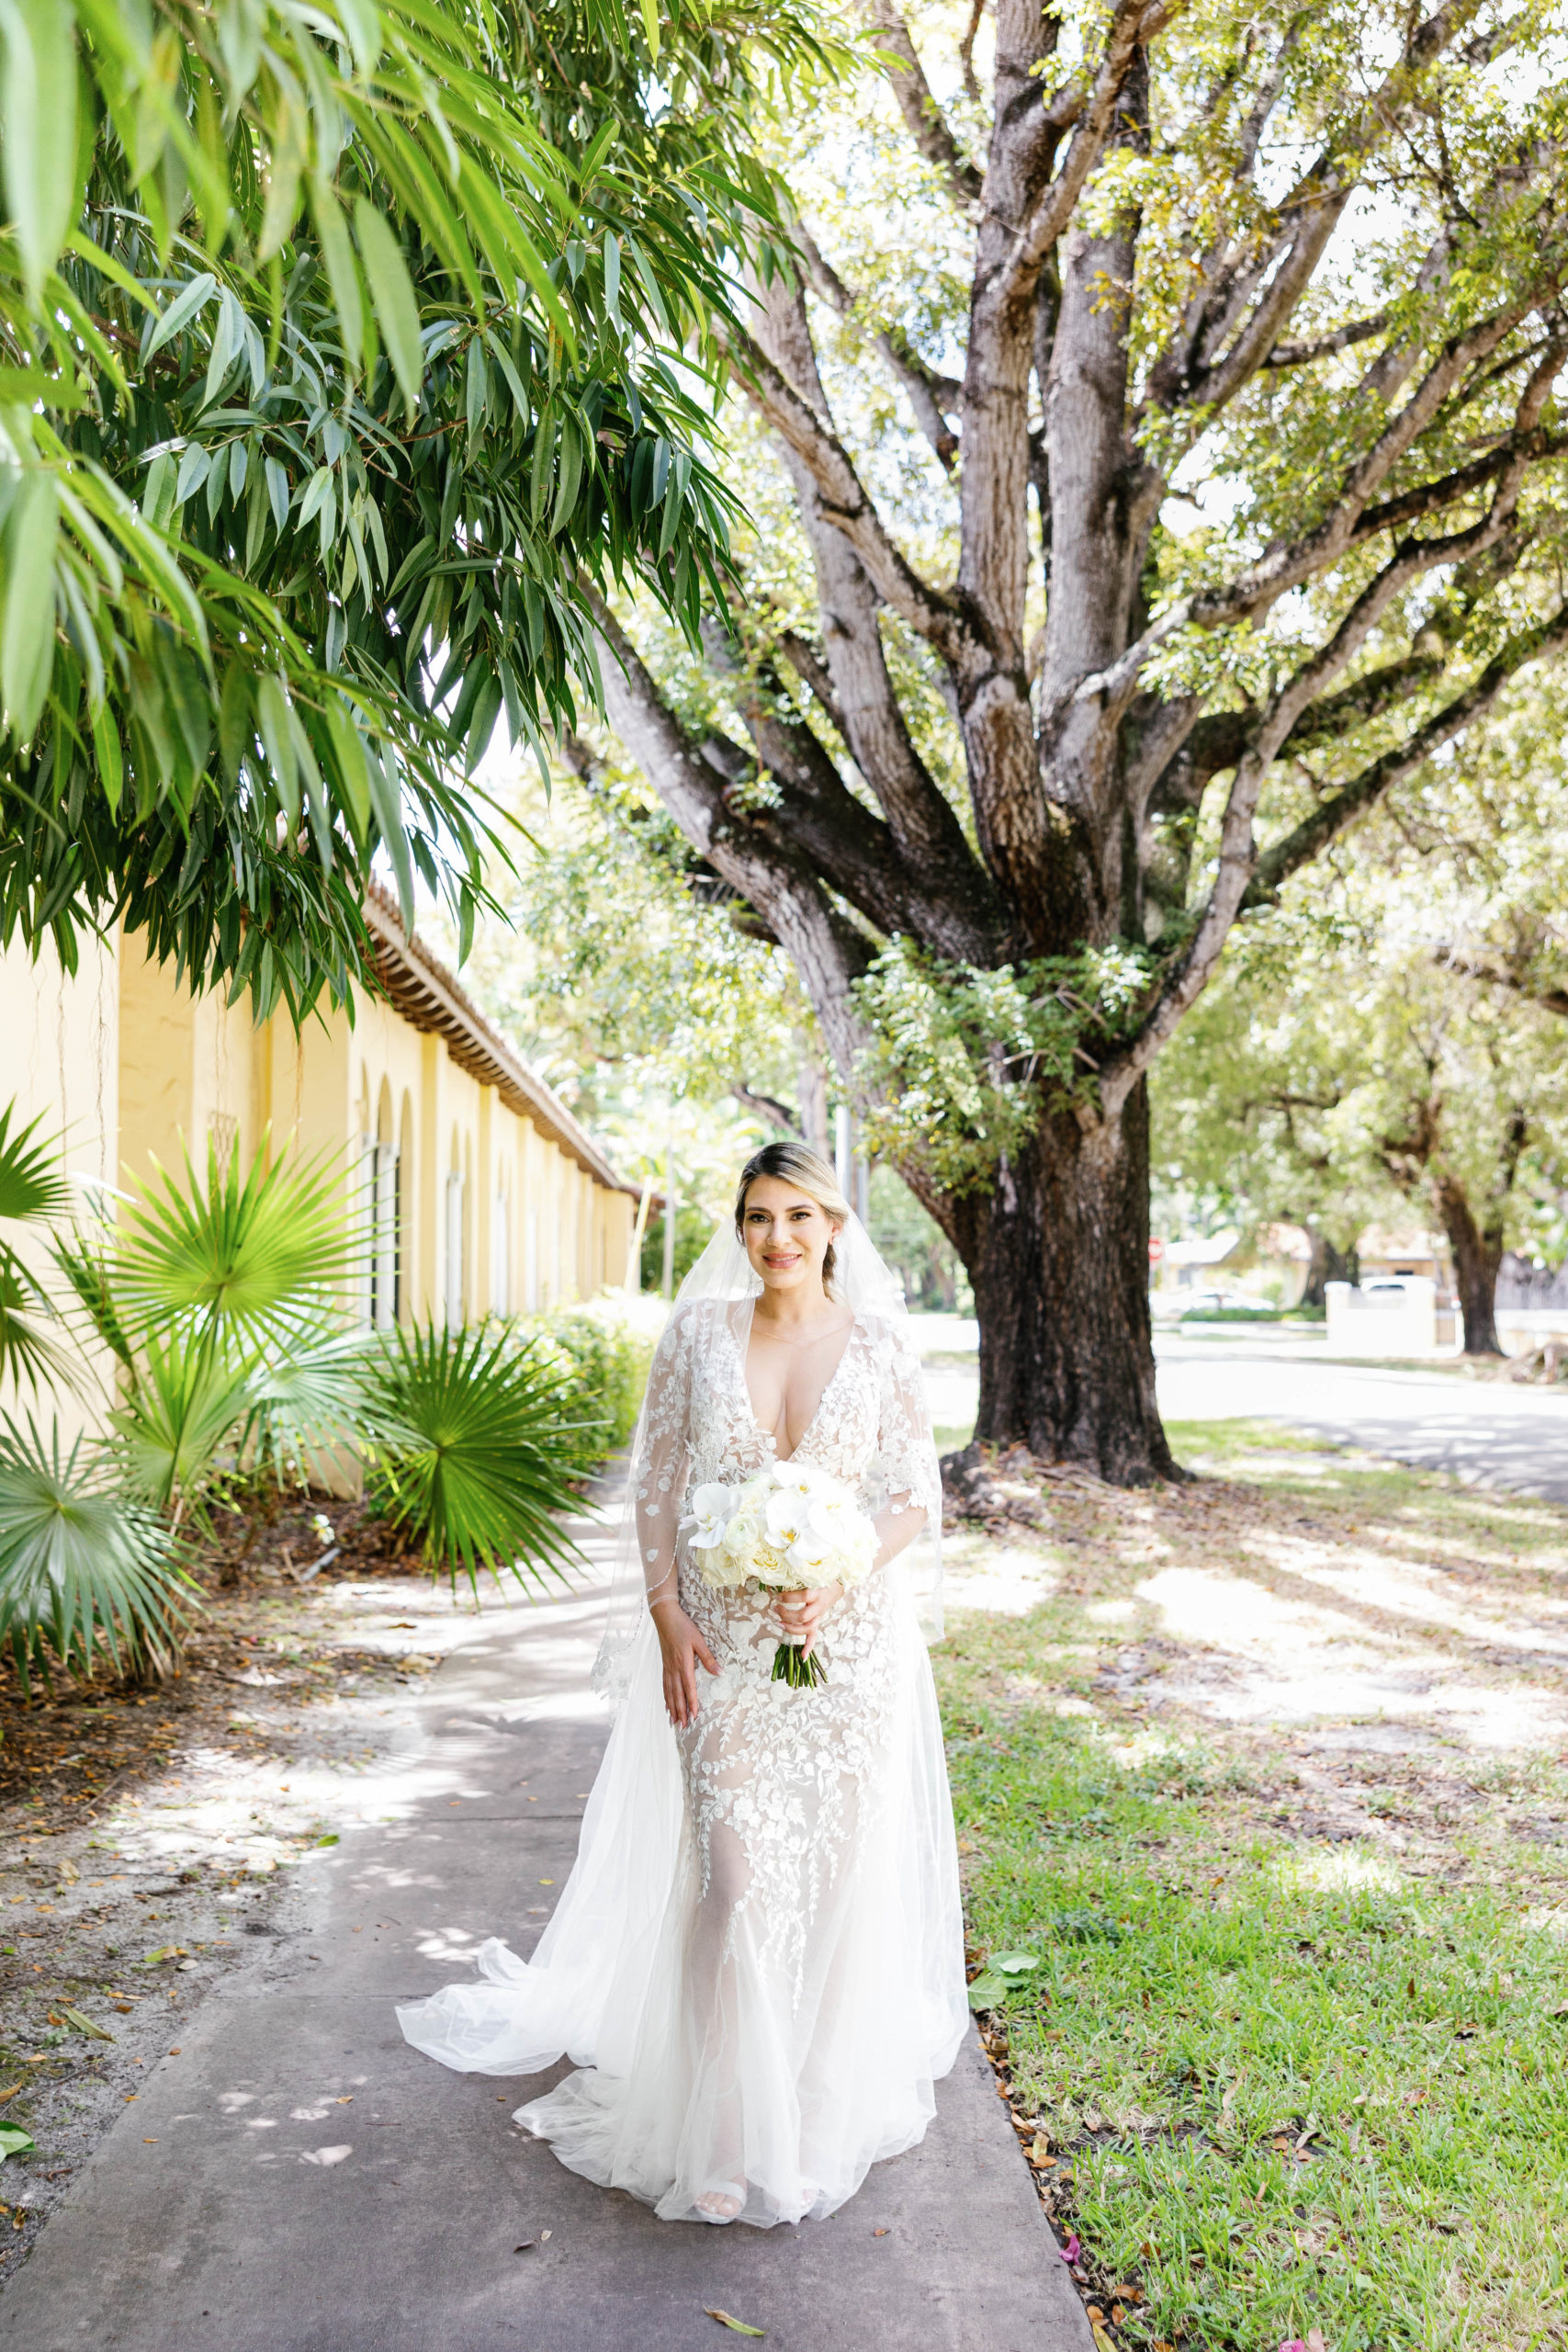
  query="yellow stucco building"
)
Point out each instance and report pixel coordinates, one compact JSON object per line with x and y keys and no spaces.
{"x":484,"y":1193}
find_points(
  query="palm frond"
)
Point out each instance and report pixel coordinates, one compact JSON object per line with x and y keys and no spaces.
{"x":84,"y":1568}
{"x":86,"y":1269}
{"x":470,"y":1452}
{"x":303,"y":1410}
{"x":32,"y":1189}
{"x":26,"y":1352}
{"x":263,"y":1254}
{"x":33,"y":1185}
{"x":187,"y":1399}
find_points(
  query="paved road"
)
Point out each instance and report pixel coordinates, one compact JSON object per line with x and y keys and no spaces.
{"x":1491,"y":1433}
{"x":1496,"y":1434}
{"x":296,"y":2179}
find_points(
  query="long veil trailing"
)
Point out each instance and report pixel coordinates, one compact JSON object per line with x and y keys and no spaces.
{"x":608,"y":1981}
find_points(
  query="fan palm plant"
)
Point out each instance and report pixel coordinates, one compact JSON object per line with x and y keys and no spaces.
{"x":84,"y":1568}
{"x":223,"y":1302}
{"x":470,"y":1456}
{"x":33,"y":1190}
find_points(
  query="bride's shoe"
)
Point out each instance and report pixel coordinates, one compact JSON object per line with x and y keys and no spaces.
{"x":722,"y":2202}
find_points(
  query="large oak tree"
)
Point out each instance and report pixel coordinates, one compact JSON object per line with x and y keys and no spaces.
{"x":1304,"y":270}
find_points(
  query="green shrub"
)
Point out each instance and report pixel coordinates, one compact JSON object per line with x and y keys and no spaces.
{"x":471,"y":1452}
{"x":599,"y":1356}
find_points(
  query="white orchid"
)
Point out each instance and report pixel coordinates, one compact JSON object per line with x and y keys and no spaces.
{"x":787,"y":1515}
{"x":711,"y":1508}
{"x":814,"y":1562}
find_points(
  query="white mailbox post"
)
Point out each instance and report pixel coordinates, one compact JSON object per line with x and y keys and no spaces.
{"x":1397,"y":1314}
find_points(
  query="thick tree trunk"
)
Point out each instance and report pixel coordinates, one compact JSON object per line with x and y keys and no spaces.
{"x":1325,"y":1265}
{"x":1477,"y":1256}
{"x":1059,"y":1265}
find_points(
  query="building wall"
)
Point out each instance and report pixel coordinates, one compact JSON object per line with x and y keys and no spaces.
{"x":132,"y":1071}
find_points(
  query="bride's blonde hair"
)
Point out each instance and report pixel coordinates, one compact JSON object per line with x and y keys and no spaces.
{"x":796,"y":1163}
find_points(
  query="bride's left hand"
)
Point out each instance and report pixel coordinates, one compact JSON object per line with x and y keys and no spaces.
{"x":801,"y":1613}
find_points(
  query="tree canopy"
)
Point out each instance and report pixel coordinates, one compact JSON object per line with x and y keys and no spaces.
{"x":1364,"y":1051}
{"x":1213,"y":483}
{"x":347,"y":349}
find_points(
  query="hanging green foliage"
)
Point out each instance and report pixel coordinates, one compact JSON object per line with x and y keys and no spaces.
{"x":341,"y":348}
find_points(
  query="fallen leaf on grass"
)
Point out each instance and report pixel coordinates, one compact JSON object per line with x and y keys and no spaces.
{"x":1102,"y":2342}
{"x":13,"y":2140}
{"x":725,"y":2319}
{"x":9,"y":2092}
{"x":1003,"y":1973}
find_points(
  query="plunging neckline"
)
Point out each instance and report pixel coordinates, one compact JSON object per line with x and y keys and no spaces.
{"x":760,"y":1428}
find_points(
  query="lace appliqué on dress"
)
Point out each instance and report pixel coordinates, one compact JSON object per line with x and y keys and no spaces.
{"x":782,"y":1786}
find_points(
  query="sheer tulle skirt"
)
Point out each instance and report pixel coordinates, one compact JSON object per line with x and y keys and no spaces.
{"x":758,"y":1957}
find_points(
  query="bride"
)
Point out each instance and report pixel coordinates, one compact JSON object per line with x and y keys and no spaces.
{"x":757,"y":1962}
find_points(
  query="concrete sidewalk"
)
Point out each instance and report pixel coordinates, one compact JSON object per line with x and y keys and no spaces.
{"x":299,"y":2181}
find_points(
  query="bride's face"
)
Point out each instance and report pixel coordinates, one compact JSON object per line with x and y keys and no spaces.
{"x":787,"y":1235}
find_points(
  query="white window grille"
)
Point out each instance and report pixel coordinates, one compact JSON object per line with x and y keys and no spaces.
{"x":376,"y":1207}
{"x":500,"y":1253}
{"x":386,"y":1237}
{"x":454,"y":1249}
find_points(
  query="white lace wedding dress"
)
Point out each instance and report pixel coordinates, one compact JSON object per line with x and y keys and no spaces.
{"x":758,"y":1960}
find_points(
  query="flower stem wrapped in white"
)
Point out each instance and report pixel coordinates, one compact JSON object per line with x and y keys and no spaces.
{"x":792,"y":1529}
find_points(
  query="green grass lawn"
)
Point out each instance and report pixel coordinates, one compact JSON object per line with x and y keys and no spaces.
{"x":1297,"y":2041}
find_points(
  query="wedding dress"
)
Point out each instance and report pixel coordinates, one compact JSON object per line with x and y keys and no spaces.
{"x":758,"y":1960}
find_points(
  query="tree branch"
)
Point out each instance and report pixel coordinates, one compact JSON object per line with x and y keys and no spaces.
{"x":777,"y":1115}
{"x":1283,"y":567}
{"x":1469,"y":967}
{"x":923,"y":118}
{"x":1132,"y":25}
{"x":1324,"y":346}
{"x":930,"y":841}
{"x":928,"y":392}
{"x":828,"y":950}
{"x":813,"y":673}
{"x":1352,"y":800}
{"x":1426,"y":498}
{"x":844,"y":500}
{"x":1192,"y":372}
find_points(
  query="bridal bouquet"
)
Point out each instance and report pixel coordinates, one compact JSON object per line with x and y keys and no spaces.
{"x":791,"y":1528}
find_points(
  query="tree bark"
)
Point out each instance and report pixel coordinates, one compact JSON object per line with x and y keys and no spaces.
{"x":1477,"y":1254}
{"x":1326,"y":1264}
{"x":1059,"y":1259}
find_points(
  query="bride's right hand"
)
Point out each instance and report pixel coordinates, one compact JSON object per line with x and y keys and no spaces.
{"x":682,"y":1647}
